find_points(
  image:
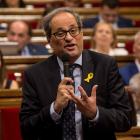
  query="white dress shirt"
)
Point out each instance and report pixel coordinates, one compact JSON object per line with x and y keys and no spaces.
{"x":78,"y":116}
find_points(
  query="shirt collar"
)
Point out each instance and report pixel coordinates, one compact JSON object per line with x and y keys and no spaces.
{"x":25,"y":51}
{"x":115,"y":24}
{"x":78,"y":61}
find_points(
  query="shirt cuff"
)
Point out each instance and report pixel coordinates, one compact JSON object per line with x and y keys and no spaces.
{"x":56,"y":117}
{"x":95,"y":120}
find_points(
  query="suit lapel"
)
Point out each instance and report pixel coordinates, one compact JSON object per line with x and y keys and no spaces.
{"x":54,"y":78}
{"x":87,"y":67}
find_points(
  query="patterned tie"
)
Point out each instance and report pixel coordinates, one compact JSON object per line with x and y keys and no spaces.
{"x":68,"y":119}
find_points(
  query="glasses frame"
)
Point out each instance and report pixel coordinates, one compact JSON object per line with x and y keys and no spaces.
{"x":69,"y":33}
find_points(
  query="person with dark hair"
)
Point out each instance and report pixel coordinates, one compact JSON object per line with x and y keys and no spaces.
{"x":109,"y":12}
{"x":72,"y":3}
{"x":58,"y":107}
{"x":12,"y":4}
{"x":4,"y":82}
{"x":21,"y":32}
{"x":66,"y":3}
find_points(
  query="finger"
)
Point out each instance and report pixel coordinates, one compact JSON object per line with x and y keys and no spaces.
{"x":83,"y":93}
{"x":65,"y":80}
{"x":65,"y":87}
{"x":93,"y":93}
{"x":74,"y":97}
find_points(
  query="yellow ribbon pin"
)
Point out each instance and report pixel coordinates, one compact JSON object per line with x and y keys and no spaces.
{"x":90,"y":76}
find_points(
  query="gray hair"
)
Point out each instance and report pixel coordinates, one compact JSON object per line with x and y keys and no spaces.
{"x":134,"y":83}
{"x":48,"y":18}
{"x":136,"y":36}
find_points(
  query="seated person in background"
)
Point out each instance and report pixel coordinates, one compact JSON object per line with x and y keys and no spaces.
{"x":1,"y":28}
{"x":109,"y":11}
{"x":134,"y":85}
{"x":21,"y":32}
{"x":12,"y":4}
{"x":103,"y":40}
{"x":67,"y":3}
{"x":72,"y":3}
{"x":128,"y":71}
{"x":4,"y":82}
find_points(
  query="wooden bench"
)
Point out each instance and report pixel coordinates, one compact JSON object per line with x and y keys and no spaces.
{"x":31,"y":2}
{"x":132,"y":134}
{"x":10,"y":14}
{"x":20,"y":63}
{"x":17,"y":64}
{"x":81,"y":11}
{"x":9,"y":99}
{"x":12,"y":99}
{"x":86,"y":32}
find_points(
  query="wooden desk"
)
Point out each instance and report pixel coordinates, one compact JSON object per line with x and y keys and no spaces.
{"x":17,"y":64}
{"x":132,"y":134}
{"x":86,"y":32}
{"x":20,"y":63}
{"x":21,"y":11}
{"x":79,"y":10}
{"x":31,"y":2}
{"x":10,"y":98}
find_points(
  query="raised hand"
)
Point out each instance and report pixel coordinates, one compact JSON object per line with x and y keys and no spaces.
{"x":63,"y":95}
{"x":86,"y":105}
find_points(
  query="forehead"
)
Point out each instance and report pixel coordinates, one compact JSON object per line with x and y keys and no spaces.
{"x":106,"y":9}
{"x":63,"y":21}
{"x":19,"y":27}
{"x":104,"y":26}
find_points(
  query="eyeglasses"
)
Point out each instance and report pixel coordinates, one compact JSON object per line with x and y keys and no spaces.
{"x":62,"y":34}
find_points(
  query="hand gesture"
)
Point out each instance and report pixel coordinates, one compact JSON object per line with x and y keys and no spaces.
{"x":86,"y":105}
{"x":63,"y":95}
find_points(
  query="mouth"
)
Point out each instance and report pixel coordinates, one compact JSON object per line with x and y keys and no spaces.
{"x":70,"y":46}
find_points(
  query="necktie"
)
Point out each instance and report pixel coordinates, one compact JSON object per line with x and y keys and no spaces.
{"x":68,"y":119}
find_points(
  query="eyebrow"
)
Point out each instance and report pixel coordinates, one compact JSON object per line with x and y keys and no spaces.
{"x":61,"y":28}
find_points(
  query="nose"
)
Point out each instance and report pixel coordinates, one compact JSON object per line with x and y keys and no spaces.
{"x":68,"y":37}
{"x":15,"y":38}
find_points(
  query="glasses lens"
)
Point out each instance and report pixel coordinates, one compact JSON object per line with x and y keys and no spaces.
{"x":60,"y":35}
{"x":74,"y":31}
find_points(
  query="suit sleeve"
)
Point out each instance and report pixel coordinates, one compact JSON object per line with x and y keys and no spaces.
{"x":34,"y":120}
{"x":115,"y":116}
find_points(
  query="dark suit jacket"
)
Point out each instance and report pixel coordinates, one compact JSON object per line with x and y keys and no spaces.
{"x":36,"y":49}
{"x":40,"y":89}
{"x":127,"y":72}
{"x":122,"y":22}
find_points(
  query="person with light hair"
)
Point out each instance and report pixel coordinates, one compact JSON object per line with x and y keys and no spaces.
{"x":135,"y":87}
{"x":133,"y":68}
{"x":103,"y":40}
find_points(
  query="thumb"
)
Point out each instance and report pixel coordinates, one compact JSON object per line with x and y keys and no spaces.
{"x":93,"y":94}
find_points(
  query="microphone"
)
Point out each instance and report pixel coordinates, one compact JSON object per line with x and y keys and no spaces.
{"x":65,"y":57}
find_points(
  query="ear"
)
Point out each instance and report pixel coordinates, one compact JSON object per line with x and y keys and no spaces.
{"x":49,"y":41}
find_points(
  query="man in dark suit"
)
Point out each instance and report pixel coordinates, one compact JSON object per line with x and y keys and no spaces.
{"x":72,"y":3}
{"x":109,"y":11}
{"x":99,"y":112}
{"x":129,"y":70}
{"x":21,"y":32}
